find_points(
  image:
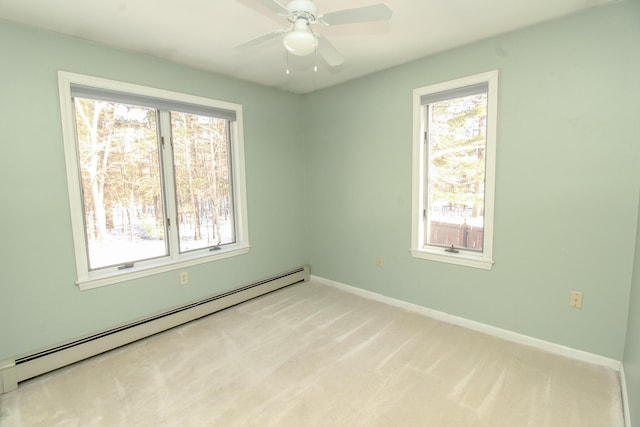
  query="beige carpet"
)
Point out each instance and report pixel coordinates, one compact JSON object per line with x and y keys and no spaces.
{"x":312,"y":355}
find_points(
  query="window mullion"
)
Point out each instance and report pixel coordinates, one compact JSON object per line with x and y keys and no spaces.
{"x":164,"y":123}
{"x":426,"y":169}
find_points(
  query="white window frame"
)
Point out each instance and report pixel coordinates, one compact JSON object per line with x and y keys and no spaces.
{"x":87,"y":279}
{"x":419,"y":247}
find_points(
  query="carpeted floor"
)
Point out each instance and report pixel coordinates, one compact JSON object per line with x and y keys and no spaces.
{"x":313,"y":355}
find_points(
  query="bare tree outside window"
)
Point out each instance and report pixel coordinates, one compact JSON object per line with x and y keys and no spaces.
{"x":124,"y":211}
{"x":156,"y":179}
{"x":121,"y":182}
{"x":203,"y":181}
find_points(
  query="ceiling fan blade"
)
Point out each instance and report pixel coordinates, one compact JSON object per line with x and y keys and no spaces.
{"x":329,"y":53}
{"x":376,"y":12}
{"x":274,"y":6}
{"x":259,"y":40}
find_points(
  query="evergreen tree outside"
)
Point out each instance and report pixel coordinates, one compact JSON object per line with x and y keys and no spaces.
{"x":456,"y":138}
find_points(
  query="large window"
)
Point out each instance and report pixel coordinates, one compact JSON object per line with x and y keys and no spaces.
{"x":155,"y":178}
{"x":454,"y":169}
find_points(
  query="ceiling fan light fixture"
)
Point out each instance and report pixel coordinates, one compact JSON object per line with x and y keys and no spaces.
{"x":300,"y":41}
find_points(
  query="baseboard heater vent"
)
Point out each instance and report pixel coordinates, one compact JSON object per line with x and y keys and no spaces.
{"x":22,"y":368}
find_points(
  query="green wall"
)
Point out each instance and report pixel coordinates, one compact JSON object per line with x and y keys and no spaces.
{"x":566,"y":192}
{"x":39,"y":303}
{"x":631,"y":359}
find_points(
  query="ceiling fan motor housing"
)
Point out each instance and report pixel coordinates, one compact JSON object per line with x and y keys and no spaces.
{"x":302,"y":9}
{"x":299,"y":39}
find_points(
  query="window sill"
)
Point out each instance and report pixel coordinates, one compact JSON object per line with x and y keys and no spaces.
{"x":97,"y":280}
{"x":462,"y":258}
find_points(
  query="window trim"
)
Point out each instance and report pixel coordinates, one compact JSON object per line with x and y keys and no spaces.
{"x":419,"y":249}
{"x":87,"y":279}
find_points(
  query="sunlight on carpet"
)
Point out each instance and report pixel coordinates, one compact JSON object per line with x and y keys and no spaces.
{"x":313,"y":355}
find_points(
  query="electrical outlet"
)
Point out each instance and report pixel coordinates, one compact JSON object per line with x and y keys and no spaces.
{"x":379,"y":260}
{"x":575,"y":299}
{"x":184,"y":278}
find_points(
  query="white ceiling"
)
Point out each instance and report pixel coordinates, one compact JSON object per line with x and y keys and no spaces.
{"x":203,"y":33}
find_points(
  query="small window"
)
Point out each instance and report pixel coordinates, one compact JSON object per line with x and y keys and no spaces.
{"x":454,"y":170}
{"x":155,"y":179}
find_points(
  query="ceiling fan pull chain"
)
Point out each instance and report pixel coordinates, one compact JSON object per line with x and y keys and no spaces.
{"x":300,"y":40}
{"x":315,"y":65}
{"x":287,"y":71}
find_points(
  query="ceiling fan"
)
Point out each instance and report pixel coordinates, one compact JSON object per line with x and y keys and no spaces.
{"x":299,"y":39}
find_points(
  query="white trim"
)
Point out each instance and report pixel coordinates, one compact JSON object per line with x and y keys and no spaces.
{"x":419,"y":249}
{"x":464,"y":258}
{"x":73,"y":173}
{"x":152,"y":92}
{"x":87,"y":279}
{"x":98,"y":280}
{"x":479,"y":327}
{"x":625,"y":398}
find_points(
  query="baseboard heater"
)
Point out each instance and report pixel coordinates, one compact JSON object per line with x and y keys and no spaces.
{"x":22,"y":368}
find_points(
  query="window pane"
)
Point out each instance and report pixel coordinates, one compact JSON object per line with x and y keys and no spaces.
{"x":121,"y":183}
{"x":203,"y":181}
{"x":456,"y":132}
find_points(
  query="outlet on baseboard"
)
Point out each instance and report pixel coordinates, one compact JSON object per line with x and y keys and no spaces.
{"x":575,"y":299}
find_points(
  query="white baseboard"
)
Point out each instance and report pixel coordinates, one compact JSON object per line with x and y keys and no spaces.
{"x":625,"y":397}
{"x":480,"y":327}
